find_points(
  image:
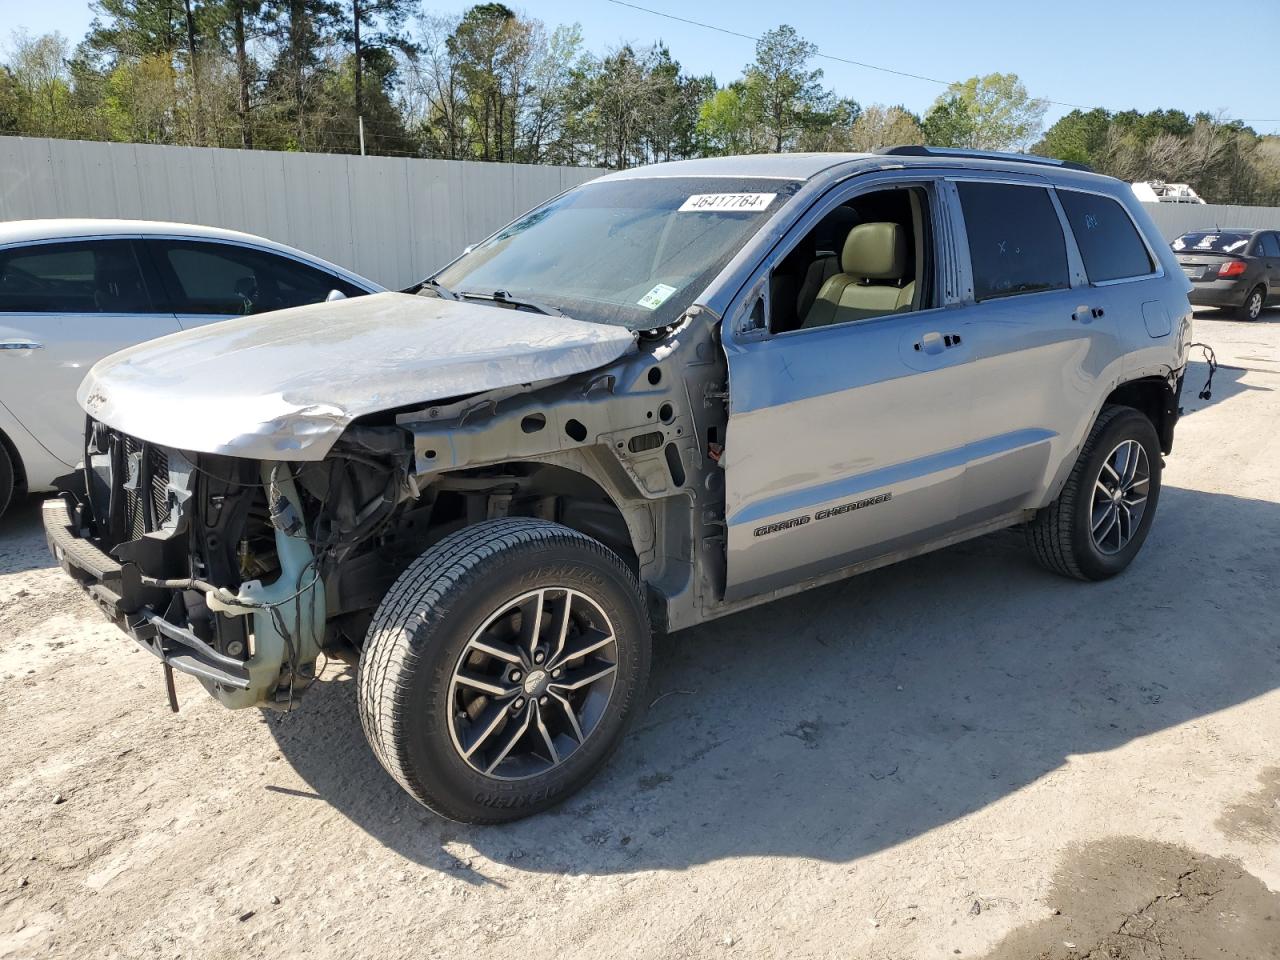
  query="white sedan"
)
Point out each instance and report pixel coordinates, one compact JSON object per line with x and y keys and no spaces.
{"x":74,"y":291}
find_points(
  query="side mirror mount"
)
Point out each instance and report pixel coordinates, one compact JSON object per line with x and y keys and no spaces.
{"x":335,"y":295}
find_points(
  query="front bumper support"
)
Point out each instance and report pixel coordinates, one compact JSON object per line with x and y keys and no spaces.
{"x":287,"y":615}
{"x":109,"y":583}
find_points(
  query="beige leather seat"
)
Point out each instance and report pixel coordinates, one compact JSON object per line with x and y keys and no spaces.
{"x":872,"y":281}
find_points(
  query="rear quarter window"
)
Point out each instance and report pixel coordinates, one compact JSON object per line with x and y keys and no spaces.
{"x":1109,"y":243}
{"x":1016,"y":244}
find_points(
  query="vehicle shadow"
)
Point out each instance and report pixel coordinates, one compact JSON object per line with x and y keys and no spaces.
{"x":857,"y":716}
{"x":1228,"y":381}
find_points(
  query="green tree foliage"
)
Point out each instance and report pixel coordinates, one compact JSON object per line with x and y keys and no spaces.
{"x":778,"y":104}
{"x":1079,"y":136}
{"x":492,"y":83}
{"x":725,"y":124}
{"x":1225,"y":161}
{"x":373,"y":29}
{"x":37,"y":92}
{"x":994,"y":112}
{"x":782,"y":95}
{"x":879,"y":126}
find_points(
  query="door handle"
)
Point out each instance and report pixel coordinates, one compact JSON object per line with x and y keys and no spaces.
{"x":20,"y":345}
{"x":935,"y":342}
{"x":1085,"y":313}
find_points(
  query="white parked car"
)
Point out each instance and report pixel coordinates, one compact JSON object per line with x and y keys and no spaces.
{"x":74,"y":291}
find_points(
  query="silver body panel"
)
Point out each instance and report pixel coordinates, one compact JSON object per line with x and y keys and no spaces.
{"x":284,"y":385}
{"x":875,"y":439}
{"x":849,"y":442}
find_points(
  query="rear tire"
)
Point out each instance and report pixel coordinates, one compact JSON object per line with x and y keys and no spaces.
{"x":1099,"y":521}
{"x":7,"y":476}
{"x":1251,"y":309}
{"x":502,"y":669}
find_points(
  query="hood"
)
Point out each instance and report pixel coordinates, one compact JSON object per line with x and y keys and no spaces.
{"x":284,"y":385}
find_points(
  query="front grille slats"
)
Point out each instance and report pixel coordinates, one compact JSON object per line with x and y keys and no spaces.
{"x":142,"y":486}
{"x":159,"y":487}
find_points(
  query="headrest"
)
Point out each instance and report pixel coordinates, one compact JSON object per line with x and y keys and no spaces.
{"x":832,"y":229}
{"x":875,"y":251}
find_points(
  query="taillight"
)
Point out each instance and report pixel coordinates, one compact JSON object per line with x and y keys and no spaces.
{"x":1232,"y":268}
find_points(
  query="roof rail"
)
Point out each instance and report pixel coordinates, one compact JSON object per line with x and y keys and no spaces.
{"x":913,"y":150}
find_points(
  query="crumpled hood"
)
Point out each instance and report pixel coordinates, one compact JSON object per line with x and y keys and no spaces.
{"x":285,"y":385}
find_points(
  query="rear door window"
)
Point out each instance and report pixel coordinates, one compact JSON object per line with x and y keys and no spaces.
{"x":1109,"y":243}
{"x":226,"y":279}
{"x":1016,"y":244}
{"x":87,"y":276}
{"x":1270,"y":246}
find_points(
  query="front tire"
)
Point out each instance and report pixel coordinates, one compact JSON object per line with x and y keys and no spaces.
{"x":1099,"y":521}
{"x":502,"y":669}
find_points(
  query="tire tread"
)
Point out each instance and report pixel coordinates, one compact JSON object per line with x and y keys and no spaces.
{"x":1049,"y":534}
{"x":417,"y":601}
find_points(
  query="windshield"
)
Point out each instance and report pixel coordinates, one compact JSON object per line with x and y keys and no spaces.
{"x":628,"y":252}
{"x":1212,"y":242}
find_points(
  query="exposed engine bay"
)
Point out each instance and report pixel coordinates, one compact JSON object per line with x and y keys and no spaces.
{"x":243,"y":572}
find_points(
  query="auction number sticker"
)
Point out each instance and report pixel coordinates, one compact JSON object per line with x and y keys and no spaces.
{"x":656,"y":297}
{"x":727,"y":202}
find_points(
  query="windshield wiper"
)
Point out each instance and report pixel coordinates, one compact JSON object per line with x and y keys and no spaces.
{"x":438,"y":288}
{"x":506,"y":299}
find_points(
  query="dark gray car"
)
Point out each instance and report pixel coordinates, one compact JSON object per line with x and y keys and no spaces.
{"x":1236,"y":269}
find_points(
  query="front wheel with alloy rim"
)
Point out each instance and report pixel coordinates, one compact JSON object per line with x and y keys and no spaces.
{"x":1099,"y":521}
{"x":502,"y":668}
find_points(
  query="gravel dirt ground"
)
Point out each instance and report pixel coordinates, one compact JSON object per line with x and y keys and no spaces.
{"x":959,"y":755}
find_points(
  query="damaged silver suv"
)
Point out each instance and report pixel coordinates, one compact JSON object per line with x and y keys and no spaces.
{"x":664,"y":396}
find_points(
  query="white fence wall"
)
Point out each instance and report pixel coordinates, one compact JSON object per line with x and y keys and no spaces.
{"x":391,"y":219}
{"x":1175,"y":219}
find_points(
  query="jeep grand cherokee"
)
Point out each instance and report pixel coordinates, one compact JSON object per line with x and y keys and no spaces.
{"x":661,"y":397}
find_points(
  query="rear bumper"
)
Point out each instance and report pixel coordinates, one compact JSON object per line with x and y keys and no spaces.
{"x":1219,"y":293}
{"x":118,"y":591}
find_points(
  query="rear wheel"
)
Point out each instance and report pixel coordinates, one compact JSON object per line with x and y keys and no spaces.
{"x":502,"y":668}
{"x":1099,"y":521}
{"x":1251,"y":309}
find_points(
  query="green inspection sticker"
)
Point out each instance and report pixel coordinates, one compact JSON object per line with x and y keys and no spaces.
{"x":656,"y":297}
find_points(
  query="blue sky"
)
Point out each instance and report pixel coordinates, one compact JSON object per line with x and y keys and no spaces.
{"x":1118,"y":54}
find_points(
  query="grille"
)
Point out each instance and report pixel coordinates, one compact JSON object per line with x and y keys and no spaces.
{"x":145,"y":474}
{"x":160,"y":486}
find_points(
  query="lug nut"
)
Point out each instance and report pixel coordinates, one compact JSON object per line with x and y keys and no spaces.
{"x":518,"y":705}
{"x":538,"y":657}
{"x":555,"y":674}
{"x":515,"y":676}
{"x":544,"y":700}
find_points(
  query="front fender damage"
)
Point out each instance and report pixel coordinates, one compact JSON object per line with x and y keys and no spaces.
{"x":642,"y":429}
